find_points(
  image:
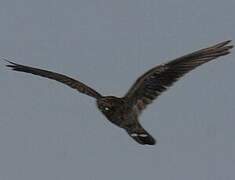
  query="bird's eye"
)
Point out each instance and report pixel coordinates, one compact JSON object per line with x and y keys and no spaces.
{"x":106,"y":109}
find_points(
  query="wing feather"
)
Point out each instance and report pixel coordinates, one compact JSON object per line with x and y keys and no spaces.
{"x":79,"y":86}
{"x":155,"y":81}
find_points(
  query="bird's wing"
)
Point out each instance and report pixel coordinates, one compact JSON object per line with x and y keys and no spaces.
{"x":55,"y":76}
{"x":155,"y":81}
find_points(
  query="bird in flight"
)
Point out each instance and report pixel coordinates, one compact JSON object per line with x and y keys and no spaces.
{"x":124,"y":112}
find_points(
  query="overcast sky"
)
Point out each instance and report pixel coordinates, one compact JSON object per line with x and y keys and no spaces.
{"x":50,"y":132}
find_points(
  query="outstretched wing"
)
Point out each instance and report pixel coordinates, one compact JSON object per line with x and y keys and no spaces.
{"x":155,"y":81}
{"x":55,"y":76}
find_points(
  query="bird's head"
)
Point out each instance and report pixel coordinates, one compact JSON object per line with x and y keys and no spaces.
{"x":108,"y":105}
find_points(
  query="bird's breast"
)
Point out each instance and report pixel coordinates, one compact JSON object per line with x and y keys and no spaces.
{"x":122,"y":119}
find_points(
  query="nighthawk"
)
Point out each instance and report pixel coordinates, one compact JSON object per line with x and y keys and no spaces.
{"x":124,"y":111}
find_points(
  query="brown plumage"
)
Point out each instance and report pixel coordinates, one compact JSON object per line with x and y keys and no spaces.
{"x":124,"y":111}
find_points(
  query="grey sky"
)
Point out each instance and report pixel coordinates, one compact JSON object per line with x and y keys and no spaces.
{"x":51,"y":132}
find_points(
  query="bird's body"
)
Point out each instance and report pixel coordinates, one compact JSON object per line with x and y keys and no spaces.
{"x":115,"y":109}
{"x":120,"y":112}
{"x":124,"y":112}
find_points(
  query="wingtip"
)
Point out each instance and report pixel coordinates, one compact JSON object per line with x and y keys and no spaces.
{"x":230,"y":46}
{"x":223,"y":44}
{"x":227,"y":42}
{"x":8,"y":61}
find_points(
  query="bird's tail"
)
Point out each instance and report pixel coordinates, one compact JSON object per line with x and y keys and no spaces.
{"x":140,"y":135}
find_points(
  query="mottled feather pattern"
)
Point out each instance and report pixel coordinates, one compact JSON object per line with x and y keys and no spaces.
{"x":124,"y":112}
{"x":150,"y":85}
